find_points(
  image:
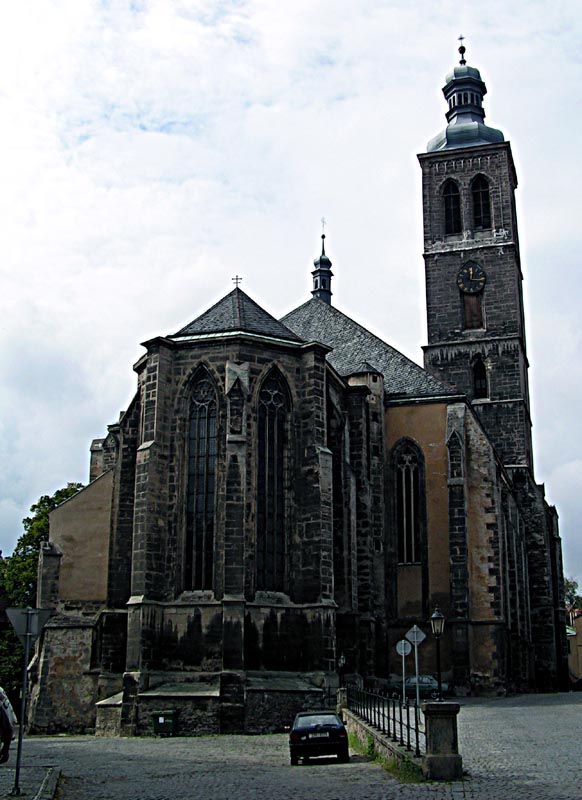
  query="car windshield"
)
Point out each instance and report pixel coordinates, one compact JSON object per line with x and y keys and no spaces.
{"x":316,"y":719}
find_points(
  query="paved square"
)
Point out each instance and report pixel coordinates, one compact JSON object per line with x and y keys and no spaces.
{"x":522,"y":747}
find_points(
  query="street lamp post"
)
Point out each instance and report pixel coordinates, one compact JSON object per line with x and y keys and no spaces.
{"x":437,"y":623}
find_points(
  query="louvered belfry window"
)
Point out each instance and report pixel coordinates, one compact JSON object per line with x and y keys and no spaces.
{"x":272,"y":445}
{"x":200,"y":510}
{"x":481,"y":203}
{"x":452,"y":202}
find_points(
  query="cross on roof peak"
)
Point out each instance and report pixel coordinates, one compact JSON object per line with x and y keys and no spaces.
{"x":462,"y":50}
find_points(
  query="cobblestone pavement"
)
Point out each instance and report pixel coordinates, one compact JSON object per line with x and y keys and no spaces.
{"x":524,"y":747}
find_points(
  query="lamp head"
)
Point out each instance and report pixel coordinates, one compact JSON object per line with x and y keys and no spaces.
{"x":437,"y":622}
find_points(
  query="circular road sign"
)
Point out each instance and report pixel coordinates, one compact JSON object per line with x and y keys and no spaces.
{"x":403,"y":647}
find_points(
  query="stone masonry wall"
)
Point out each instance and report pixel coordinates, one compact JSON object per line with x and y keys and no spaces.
{"x":500,"y":343}
{"x":541,"y":582}
{"x":65,"y":685}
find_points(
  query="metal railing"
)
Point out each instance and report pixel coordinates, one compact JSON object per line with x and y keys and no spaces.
{"x":402,"y":722}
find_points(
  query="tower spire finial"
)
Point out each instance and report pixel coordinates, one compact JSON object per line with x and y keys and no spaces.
{"x":462,"y":50}
{"x":322,"y":273}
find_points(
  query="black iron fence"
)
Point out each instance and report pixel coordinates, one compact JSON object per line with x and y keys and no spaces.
{"x":402,"y":722}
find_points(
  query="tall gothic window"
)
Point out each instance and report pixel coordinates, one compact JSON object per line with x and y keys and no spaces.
{"x":201,"y":492}
{"x":452,"y":201}
{"x":481,"y":203}
{"x":272,"y":446}
{"x":409,"y":501}
{"x":479,"y":379}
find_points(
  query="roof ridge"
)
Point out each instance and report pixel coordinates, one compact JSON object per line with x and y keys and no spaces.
{"x":352,"y":344}
{"x":383,"y":342}
{"x":239,"y":313}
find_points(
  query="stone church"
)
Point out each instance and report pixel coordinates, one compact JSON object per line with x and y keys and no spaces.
{"x":283,"y":499}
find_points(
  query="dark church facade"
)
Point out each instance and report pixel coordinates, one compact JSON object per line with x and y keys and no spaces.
{"x":283,"y":499}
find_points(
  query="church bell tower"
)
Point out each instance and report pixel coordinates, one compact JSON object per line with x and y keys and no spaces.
{"x":476,"y":333}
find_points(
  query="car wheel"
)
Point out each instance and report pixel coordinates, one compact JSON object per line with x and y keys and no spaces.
{"x":294,"y":761}
{"x":344,"y":756}
{"x":434,"y":695}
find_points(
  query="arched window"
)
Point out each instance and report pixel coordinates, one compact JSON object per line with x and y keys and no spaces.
{"x":479,"y":379}
{"x":452,"y":201}
{"x":273,"y":434}
{"x":336,"y":441}
{"x":481,"y":203}
{"x":408,"y":466}
{"x":473,"y":311}
{"x":201,"y":492}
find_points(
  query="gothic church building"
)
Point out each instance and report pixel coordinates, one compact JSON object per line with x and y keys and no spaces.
{"x":285,"y":497}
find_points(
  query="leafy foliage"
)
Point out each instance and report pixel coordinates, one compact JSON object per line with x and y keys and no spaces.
{"x":11,"y":652}
{"x":571,"y":595}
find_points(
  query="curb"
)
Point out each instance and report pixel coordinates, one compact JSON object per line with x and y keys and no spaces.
{"x":49,"y":784}
{"x":39,"y":783}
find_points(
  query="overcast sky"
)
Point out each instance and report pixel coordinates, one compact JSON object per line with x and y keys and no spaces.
{"x":150,"y":151}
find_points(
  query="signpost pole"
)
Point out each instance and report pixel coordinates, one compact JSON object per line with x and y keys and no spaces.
{"x":28,"y":623}
{"x":27,"y":636}
{"x":416,"y":669}
{"x":403,"y":649}
{"x":416,"y":636}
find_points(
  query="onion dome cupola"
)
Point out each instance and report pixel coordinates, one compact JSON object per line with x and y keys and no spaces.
{"x":464,"y":91}
{"x":322,"y":275}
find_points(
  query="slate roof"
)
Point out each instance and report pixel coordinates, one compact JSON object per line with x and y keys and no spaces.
{"x":352,"y":345}
{"x":237,"y":312}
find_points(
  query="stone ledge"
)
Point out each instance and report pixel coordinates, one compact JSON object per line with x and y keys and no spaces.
{"x":383,"y":745}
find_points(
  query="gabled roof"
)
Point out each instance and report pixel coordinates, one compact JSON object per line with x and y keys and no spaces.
{"x":352,"y":344}
{"x":237,"y":313}
{"x":364,"y":368}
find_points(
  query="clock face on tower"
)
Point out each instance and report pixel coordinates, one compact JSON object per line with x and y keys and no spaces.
{"x":471,"y":278}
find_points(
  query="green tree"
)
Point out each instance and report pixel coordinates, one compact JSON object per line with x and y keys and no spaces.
{"x":18,"y":577}
{"x":571,"y":595}
{"x":20,"y":569}
{"x":10,"y":647}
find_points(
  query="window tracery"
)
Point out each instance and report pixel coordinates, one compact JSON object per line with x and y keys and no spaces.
{"x":409,"y":501}
{"x":271,"y":482}
{"x":201,"y":490}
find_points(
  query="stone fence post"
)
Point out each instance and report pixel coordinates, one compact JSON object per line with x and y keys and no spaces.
{"x":342,"y":699}
{"x":442,"y":761}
